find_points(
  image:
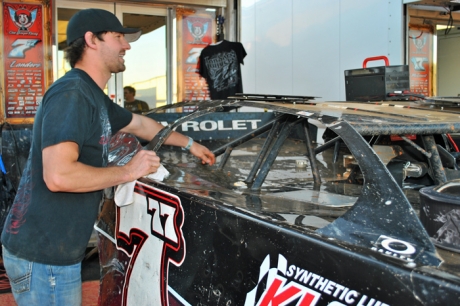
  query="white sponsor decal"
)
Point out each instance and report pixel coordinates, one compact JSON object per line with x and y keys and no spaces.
{"x":395,"y":248}
{"x":219,"y":125}
{"x":286,"y":283}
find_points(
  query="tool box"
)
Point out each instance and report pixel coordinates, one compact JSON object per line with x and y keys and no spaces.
{"x":376,"y":83}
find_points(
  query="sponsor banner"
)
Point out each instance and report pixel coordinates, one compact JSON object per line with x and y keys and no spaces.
{"x":197,"y":30}
{"x":421,"y":59}
{"x":23,"y":51}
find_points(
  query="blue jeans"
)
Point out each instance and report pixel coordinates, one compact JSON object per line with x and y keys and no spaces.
{"x":38,"y":284}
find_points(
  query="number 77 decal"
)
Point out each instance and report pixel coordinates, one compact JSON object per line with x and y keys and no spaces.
{"x":149,"y":231}
{"x":20,"y":46}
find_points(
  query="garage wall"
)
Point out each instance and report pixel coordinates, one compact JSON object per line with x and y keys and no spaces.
{"x":448,"y":65}
{"x":298,"y":47}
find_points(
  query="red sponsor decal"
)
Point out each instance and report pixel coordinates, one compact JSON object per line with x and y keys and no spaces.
{"x":280,"y":293}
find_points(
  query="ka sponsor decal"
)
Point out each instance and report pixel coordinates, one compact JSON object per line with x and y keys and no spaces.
{"x":278,"y":290}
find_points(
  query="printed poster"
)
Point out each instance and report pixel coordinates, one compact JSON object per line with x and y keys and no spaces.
{"x":421,"y":60}
{"x":23,"y":59}
{"x":197,"y":30}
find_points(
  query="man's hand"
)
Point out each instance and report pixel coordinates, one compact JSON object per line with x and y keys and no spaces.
{"x":142,"y":164}
{"x":146,"y":128}
{"x":203,"y":153}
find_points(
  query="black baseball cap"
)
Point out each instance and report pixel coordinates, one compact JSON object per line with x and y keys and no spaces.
{"x":95,"y":21}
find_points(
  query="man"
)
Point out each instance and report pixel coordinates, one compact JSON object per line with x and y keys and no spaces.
{"x":131,"y":103}
{"x":50,"y":223}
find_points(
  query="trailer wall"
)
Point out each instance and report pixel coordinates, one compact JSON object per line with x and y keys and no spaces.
{"x":298,"y":47}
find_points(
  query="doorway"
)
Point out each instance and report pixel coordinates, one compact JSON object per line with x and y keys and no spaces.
{"x":443,"y":18}
{"x":147,"y":62}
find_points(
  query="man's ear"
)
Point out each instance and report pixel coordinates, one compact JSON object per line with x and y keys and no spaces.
{"x":90,"y":39}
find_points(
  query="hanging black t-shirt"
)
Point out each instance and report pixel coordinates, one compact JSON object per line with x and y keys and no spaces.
{"x":220,"y":66}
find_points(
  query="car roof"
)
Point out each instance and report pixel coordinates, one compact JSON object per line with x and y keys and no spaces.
{"x":371,"y":118}
{"x":368,"y":118}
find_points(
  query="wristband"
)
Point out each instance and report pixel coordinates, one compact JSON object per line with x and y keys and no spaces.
{"x":189,"y":144}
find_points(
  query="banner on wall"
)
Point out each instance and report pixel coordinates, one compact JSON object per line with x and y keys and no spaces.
{"x":197,"y":30}
{"x":23,"y":51}
{"x":421,"y":60}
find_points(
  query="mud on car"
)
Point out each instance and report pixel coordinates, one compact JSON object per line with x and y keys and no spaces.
{"x":320,"y":203}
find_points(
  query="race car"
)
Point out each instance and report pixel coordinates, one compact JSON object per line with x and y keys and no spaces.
{"x":319,"y":203}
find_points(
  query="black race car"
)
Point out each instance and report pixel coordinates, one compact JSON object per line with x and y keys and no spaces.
{"x":322,"y":203}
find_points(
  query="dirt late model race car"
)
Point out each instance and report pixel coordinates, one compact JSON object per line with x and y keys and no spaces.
{"x":320,"y":203}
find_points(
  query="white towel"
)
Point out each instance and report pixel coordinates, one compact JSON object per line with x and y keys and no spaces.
{"x":124,"y":193}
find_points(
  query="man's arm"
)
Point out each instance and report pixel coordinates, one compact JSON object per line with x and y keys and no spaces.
{"x":146,"y":128}
{"x":63,"y":172}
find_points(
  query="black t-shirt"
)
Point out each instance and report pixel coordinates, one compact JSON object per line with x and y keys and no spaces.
{"x":54,"y":227}
{"x":220,"y":66}
{"x":137,"y":106}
